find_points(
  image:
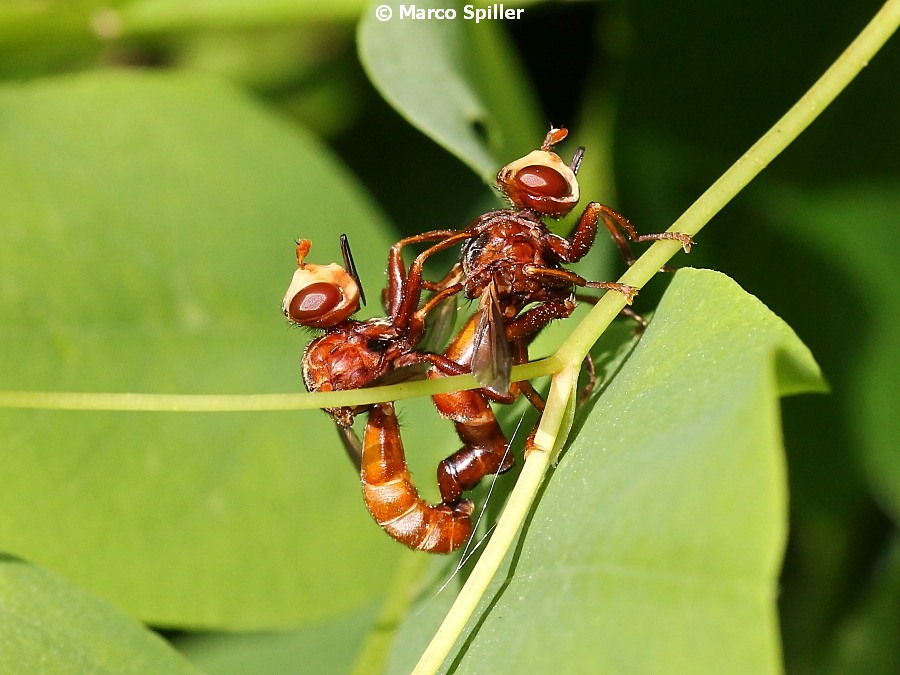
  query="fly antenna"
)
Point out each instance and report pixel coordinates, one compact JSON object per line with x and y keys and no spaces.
{"x":351,"y":266}
{"x":576,"y":159}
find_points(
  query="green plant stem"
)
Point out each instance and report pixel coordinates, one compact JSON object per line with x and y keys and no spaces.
{"x":517,"y":507}
{"x":124,"y":401}
{"x":574,"y":349}
{"x":141,"y":402}
{"x":579,"y":342}
{"x":745,"y":169}
{"x":563,"y":363}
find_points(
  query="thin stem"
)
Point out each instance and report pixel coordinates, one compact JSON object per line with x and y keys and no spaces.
{"x":517,"y":507}
{"x":63,"y":400}
{"x":745,"y":169}
{"x":579,"y":342}
{"x":573,"y":350}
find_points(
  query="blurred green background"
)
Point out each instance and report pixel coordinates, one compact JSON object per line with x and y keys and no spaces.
{"x":665,"y":96}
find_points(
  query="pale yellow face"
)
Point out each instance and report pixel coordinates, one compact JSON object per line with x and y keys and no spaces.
{"x":319,"y":296}
{"x":541,"y":181}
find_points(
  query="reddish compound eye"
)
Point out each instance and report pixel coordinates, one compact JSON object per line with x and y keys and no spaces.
{"x":543,"y":181}
{"x":313,"y":301}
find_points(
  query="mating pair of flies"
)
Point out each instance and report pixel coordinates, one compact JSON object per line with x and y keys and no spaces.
{"x":509,"y":262}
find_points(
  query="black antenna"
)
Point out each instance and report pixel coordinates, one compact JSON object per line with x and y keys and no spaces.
{"x":351,"y":266}
{"x":576,"y":159}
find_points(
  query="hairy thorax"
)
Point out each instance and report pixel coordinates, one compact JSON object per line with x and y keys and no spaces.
{"x":506,"y":244}
{"x":350,"y":356}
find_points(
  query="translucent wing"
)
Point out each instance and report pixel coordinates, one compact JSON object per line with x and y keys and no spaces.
{"x":491,"y":353}
{"x":440,"y":325}
{"x":351,"y":444}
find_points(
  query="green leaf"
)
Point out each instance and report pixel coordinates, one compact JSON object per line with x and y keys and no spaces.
{"x":140,"y":16}
{"x":323,"y":648}
{"x":456,"y":81}
{"x":49,"y":626}
{"x":148,"y":226}
{"x":657,"y":542}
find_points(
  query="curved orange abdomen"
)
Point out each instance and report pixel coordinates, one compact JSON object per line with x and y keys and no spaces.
{"x":393,"y":500}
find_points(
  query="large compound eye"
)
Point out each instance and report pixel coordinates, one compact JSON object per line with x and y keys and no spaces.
{"x":319,"y":296}
{"x":543,"y":181}
{"x":313,"y":301}
{"x":540,"y":181}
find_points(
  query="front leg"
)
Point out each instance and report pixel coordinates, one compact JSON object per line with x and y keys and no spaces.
{"x":617,"y":223}
{"x":574,"y":247}
{"x":406,"y":292}
{"x":396,"y":272}
{"x":581,"y":238}
{"x":527,"y":325}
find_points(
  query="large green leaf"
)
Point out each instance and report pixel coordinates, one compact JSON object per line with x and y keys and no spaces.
{"x":139,"y":16}
{"x":324,"y":648}
{"x":148,"y":226}
{"x":455,"y":80}
{"x":812,"y":236}
{"x":49,"y":626}
{"x":657,"y":542}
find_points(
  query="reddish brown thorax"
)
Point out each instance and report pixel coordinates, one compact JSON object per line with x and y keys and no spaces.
{"x":506,"y":245}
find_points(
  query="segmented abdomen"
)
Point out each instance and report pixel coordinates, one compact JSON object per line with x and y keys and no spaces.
{"x":393,"y":500}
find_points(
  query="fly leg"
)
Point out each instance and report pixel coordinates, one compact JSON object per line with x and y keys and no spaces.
{"x":485,"y":449}
{"x":617,"y":224}
{"x":588,"y":364}
{"x":405,"y":288}
{"x":569,"y":277}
